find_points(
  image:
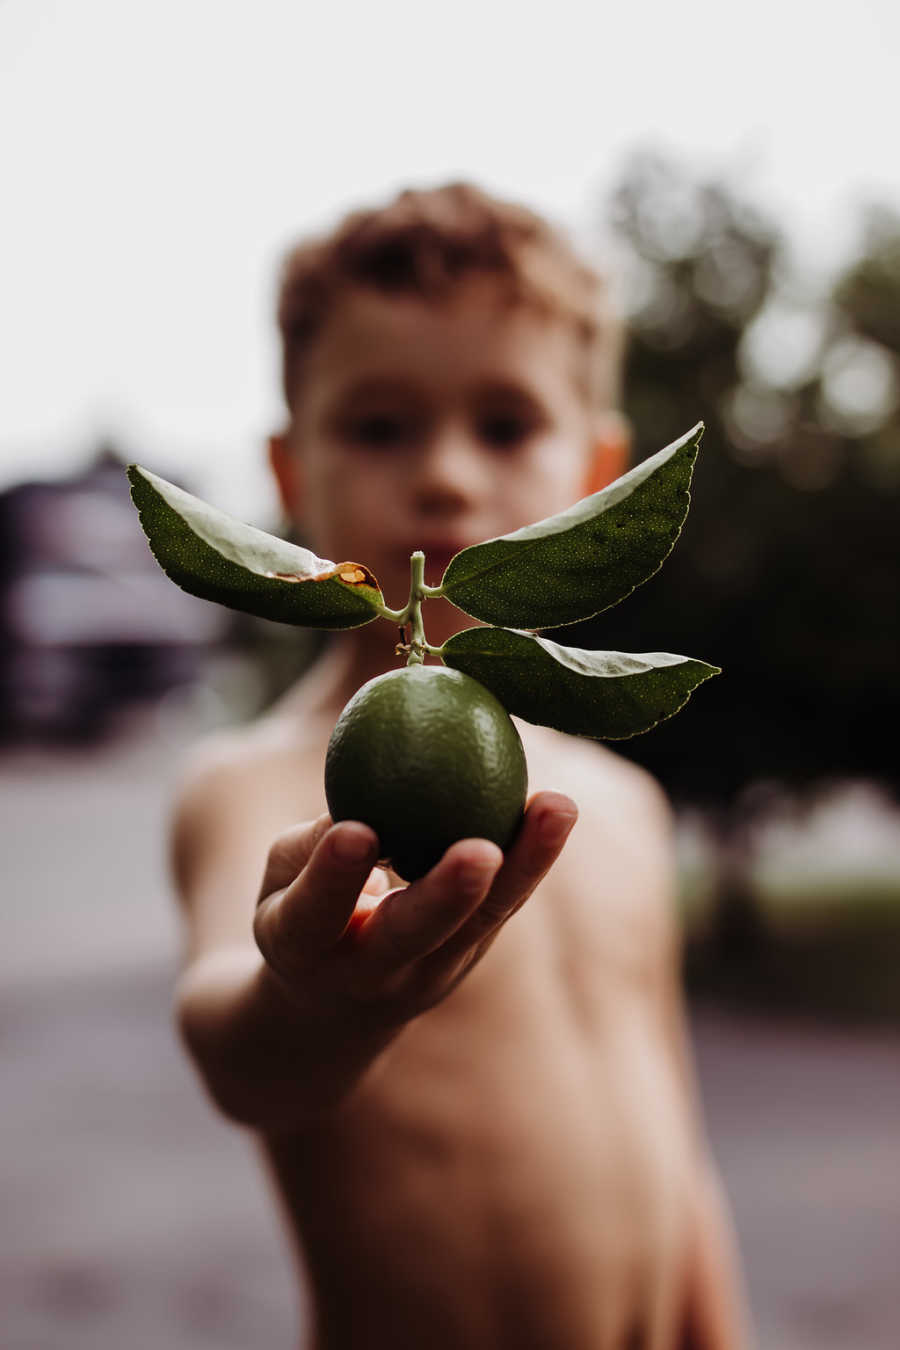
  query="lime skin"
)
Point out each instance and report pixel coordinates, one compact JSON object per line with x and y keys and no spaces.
{"x":426,"y":755}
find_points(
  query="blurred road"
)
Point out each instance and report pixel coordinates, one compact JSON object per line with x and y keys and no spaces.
{"x":133,"y":1217}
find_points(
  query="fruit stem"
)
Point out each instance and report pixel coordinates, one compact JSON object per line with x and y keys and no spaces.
{"x":411,"y":613}
{"x":417,"y":643}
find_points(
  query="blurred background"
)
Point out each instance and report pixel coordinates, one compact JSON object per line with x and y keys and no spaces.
{"x":738,"y":174}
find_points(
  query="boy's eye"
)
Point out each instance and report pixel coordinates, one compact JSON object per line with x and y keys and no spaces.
{"x":506,"y":430}
{"x":380,"y":430}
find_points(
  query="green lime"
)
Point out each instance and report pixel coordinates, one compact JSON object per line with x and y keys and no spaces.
{"x":425,"y":756}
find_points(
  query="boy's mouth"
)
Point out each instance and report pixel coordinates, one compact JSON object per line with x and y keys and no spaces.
{"x":436,"y":565}
{"x":438,"y":553}
{"x":438,"y":556}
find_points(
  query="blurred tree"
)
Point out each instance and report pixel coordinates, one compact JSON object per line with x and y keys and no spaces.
{"x":787,"y":573}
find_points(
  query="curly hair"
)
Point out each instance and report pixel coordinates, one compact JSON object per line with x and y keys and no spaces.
{"x":424,"y":243}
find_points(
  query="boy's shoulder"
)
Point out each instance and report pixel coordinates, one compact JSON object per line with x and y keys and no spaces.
{"x":603,"y":782}
{"x":244,"y":784}
{"x":618,"y":867}
{"x":259,"y":755}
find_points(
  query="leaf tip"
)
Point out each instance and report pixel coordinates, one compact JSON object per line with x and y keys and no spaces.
{"x":139,"y":480}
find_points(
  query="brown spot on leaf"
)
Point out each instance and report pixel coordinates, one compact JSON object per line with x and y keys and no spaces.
{"x":355,"y":574}
{"x":351,"y":573}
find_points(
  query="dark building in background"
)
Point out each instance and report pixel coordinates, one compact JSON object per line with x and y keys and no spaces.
{"x":88,"y":622}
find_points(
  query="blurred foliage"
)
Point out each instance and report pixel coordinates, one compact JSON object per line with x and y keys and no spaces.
{"x":787,"y":573}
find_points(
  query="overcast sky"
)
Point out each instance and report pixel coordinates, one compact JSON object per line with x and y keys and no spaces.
{"x":155,"y":158}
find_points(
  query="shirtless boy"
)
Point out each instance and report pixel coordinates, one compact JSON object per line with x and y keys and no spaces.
{"x":479,"y":1112}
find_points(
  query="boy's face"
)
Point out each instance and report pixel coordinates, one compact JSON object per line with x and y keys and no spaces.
{"x":432,"y":427}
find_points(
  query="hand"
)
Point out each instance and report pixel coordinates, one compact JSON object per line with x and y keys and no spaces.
{"x":330,"y":928}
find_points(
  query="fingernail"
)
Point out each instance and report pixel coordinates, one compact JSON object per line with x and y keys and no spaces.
{"x":350,"y":846}
{"x":555,"y":828}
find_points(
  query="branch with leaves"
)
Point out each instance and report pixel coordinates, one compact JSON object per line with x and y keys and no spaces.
{"x":557,"y":571}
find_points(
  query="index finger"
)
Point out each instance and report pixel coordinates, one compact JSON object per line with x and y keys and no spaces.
{"x":309,"y":916}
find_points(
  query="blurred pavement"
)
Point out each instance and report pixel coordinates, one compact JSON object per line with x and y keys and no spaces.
{"x":133,"y":1216}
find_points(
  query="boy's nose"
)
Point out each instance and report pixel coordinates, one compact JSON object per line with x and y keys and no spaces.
{"x":447,"y":475}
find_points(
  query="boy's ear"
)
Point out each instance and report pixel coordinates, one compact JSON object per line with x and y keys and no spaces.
{"x":610,"y":452}
{"x":288,"y":471}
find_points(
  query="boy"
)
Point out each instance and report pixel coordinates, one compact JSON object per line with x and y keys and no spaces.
{"x":484,"y":1134}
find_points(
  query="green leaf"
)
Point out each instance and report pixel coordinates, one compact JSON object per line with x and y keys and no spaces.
{"x":217,"y":557}
{"x":605,"y":695}
{"x":585,"y":559}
